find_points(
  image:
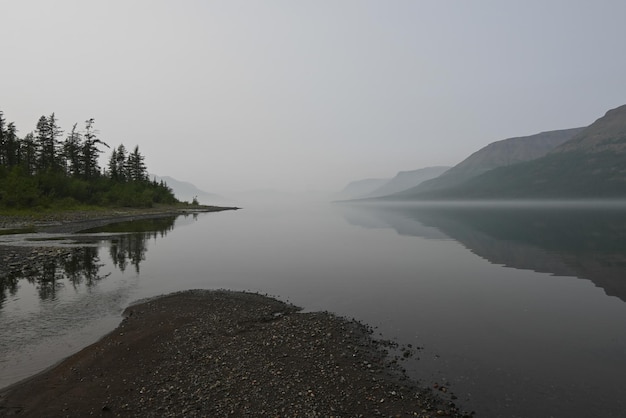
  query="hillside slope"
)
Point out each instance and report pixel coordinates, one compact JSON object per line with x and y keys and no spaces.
{"x":497,"y":154}
{"x":407,"y":179}
{"x":361,"y":188}
{"x":590,"y":165}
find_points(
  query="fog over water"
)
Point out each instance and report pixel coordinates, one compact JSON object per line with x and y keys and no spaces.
{"x":521,"y":311}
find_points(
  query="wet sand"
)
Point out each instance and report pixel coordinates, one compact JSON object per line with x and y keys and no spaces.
{"x":222,"y":353}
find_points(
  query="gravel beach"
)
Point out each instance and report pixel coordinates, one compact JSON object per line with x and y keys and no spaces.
{"x":222,"y":353}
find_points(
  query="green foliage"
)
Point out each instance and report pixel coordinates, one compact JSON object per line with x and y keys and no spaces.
{"x":18,"y":190}
{"x":39,"y":171}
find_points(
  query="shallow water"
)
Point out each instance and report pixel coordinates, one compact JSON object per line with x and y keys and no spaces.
{"x":520,"y":310}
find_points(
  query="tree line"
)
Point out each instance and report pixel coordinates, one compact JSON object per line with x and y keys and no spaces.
{"x":44,"y":168}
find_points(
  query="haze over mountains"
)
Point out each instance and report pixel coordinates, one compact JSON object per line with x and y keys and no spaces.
{"x":577,"y":163}
{"x":186,"y":191}
{"x":591,"y":165}
{"x":404,"y":180}
{"x":498,"y":154}
{"x":361,"y":188}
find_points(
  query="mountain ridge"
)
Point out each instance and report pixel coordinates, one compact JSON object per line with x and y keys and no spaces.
{"x":592,"y":164}
{"x":407,"y":179}
{"x":500,"y":153}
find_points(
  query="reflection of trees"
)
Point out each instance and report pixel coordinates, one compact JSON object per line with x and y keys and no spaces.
{"x":127,"y":249}
{"x":131,"y":248}
{"x":82,"y":266}
{"x":47,"y":268}
{"x":8,"y":285}
{"x":50,"y":269}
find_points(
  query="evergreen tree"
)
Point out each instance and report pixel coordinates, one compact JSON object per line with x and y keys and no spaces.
{"x":90,"y":150}
{"x":47,"y":143}
{"x":9,"y":143}
{"x":11,"y":146}
{"x":120,"y":163}
{"x":112,"y":166}
{"x":39,"y":170}
{"x":72,"y":151}
{"x":136,"y":168}
{"x":2,"y":140}
{"x":28,"y":154}
{"x":55,"y":144}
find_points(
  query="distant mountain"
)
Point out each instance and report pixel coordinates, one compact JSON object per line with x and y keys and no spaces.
{"x":186,"y":191}
{"x":592,"y":164}
{"x":498,"y":154}
{"x":407,"y":179}
{"x":361,"y":188}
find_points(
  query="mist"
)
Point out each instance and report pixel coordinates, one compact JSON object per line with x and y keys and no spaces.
{"x":237,"y":96}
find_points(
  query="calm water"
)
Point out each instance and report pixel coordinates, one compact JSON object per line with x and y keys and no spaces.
{"x":522,"y":311}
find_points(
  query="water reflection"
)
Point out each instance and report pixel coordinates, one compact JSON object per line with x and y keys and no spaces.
{"x":584,"y":242}
{"x":51,"y":269}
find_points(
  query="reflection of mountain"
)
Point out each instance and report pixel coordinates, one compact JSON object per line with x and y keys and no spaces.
{"x":569,"y":241}
{"x":51,"y":269}
{"x":370,"y":217}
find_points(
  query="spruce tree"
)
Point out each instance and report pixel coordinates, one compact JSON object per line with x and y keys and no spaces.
{"x":28,"y":153}
{"x":47,"y":143}
{"x":90,"y":150}
{"x":11,"y":145}
{"x":136,"y":166}
{"x":72,"y":151}
{"x":2,"y":140}
{"x":120,"y":163}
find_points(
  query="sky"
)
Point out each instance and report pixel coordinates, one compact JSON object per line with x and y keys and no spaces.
{"x":301,"y":95}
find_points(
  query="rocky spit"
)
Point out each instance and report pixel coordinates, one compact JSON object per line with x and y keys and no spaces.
{"x":223,"y":353}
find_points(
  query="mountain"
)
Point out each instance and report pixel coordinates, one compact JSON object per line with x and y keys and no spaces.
{"x":186,"y":191}
{"x":361,"y":188}
{"x":607,"y":134}
{"x":407,"y":179}
{"x":592,"y":164}
{"x":497,"y":154}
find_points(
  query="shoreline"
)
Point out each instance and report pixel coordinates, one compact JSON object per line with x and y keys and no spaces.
{"x":225,"y":353}
{"x":16,"y":261}
{"x":76,"y":220}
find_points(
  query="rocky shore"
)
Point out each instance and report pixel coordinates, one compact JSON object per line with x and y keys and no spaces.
{"x":222,"y":353}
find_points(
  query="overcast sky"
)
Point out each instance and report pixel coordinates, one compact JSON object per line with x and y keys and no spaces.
{"x":309,"y":95}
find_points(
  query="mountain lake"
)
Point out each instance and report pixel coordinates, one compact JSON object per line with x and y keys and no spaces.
{"x":519,"y":309}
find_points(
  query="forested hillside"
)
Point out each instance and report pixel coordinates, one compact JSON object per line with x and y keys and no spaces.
{"x":46,"y":169}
